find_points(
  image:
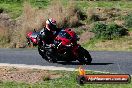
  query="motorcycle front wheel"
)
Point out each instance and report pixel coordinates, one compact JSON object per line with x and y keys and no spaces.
{"x":84,"y":56}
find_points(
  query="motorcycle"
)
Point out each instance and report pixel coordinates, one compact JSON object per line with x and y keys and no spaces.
{"x":64,"y":48}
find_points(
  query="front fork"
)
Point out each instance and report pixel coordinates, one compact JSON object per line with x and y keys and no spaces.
{"x":75,"y":50}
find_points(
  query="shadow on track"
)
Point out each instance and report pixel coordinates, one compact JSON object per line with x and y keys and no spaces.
{"x":77,"y":63}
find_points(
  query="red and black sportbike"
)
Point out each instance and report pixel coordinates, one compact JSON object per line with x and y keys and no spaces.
{"x":65,"y":48}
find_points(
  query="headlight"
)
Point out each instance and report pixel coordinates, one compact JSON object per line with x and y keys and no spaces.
{"x":69,"y":45}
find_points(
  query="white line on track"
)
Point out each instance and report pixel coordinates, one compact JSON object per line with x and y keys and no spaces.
{"x":37,"y":67}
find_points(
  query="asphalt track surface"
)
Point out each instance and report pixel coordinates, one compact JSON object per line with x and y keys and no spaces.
{"x":106,"y":61}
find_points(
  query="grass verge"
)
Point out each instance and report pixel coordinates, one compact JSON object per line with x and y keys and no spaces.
{"x":119,"y":44}
{"x":68,"y":80}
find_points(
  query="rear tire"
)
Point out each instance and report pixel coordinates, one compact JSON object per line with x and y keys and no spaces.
{"x":42,"y":53}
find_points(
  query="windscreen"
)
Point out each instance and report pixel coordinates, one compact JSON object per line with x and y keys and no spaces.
{"x":64,"y":34}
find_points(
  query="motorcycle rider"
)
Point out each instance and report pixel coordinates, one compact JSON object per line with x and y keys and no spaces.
{"x":48,"y":33}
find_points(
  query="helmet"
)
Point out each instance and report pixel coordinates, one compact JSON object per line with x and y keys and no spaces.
{"x":51,"y":24}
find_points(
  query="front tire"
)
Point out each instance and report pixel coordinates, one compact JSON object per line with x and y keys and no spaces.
{"x":85,"y":57}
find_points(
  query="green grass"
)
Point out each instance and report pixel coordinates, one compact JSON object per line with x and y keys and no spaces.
{"x":15,"y":7}
{"x":105,"y":4}
{"x":90,"y":44}
{"x":67,"y":81}
{"x":119,"y":44}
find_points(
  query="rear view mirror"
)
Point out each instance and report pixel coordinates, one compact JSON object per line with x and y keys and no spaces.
{"x":34,"y":30}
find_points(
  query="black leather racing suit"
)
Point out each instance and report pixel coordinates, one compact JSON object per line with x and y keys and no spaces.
{"x":47,"y":36}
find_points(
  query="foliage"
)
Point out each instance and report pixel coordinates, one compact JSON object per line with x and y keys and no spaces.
{"x":128,"y":21}
{"x":109,"y":31}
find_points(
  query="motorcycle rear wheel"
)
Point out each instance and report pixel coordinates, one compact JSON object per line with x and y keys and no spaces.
{"x":42,"y":53}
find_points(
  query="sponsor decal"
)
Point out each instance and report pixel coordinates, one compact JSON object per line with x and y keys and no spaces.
{"x":102,"y":78}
